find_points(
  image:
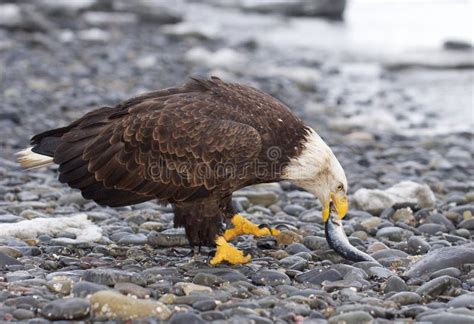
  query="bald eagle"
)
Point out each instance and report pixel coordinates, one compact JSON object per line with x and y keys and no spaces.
{"x":192,"y":146}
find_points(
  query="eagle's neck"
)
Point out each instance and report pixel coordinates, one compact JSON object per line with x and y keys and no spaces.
{"x":311,"y":168}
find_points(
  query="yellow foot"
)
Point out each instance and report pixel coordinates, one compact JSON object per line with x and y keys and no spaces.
{"x":243,"y":226}
{"x":227,"y":252}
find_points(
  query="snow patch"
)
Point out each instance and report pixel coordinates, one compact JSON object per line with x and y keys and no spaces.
{"x":84,"y":229}
{"x":375,"y":200}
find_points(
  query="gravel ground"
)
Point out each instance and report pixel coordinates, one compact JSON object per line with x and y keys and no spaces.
{"x":412,"y":195}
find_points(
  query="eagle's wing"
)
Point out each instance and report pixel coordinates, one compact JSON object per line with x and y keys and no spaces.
{"x":172,"y":148}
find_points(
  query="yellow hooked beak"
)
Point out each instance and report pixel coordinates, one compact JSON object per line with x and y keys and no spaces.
{"x":340,"y":204}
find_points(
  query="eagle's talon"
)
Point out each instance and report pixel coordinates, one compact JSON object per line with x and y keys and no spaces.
{"x":229,"y":253}
{"x":243,"y":226}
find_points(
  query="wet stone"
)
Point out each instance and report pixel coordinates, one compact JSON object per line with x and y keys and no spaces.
{"x":168,"y":238}
{"x":395,"y":284}
{"x":207,"y":279}
{"x":405,"y":298}
{"x":391,"y":233}
{"x":293,"y":262}
{"x":354,"y":317}
{"x":431,"y":228}
{"x":84,"y":288}
{"x":293,"y":210}
{"x":389,"y":253}
{"x":315,"y":243}
{"x":8,"y":218}
{"x":437,"y":286}
{"x":66,"y":309}
{"x":467,"y":224}
{"x":205,"y":305}
{"x":133,"y":239}
{"x":8,"y":261}
{"x":213,"y":316}
{"x":186,"y":318}
{"x":453,"y":272}
{"x":128,"y":288}
{"x":317,"y":276}
{"x":110,"y":277}
{"x":271,"y":278}
{"x":440,"y":259}
{"x":380,"y":273}
{"x":296,"y":248}
{"x":18,"y":276}
{"x":443,"y":318}
{"x":466,"y":300}
{"x":189,"y":288}
{"x":114,"y":305}
{"x":417,"y":245}
{"x":23,"y":314}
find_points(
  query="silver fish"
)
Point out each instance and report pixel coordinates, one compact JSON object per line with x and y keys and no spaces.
{"x":338,"y":241}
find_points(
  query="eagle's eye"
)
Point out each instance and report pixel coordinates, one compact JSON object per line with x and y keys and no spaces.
{"x":340,"y":187}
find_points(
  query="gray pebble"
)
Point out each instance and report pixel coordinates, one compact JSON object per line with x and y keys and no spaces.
{"x":167,"y":238}
{"x":312,"y":216}
{"x":380,"y":273}
{"x":417,"y":245}
{"x":207,"y":279}
{"x":293,"y":210}
{"x":23,"y":314}
{"x":83,"y":289}
{"x":440,"y":259}
{"x":294,"y":248}
{"x":391,"y":233}
{"x":110,"y":277}
{"x":354,"y":317}
{"x":453,"y":272}
{"x":389,"y":253}
{"x":467,"y":224}
{"x":293,"y":262}
{"x":315,"y":243}
{"x":213,"y":316}
{"x":271,"y":278}
{"x":9,"y":218}
{"x":66,"y":309}
{"x":466,"y":300}
{"x":443,"y":318}
{"x":317,"y":276}
{"x":7,"y":261}
{"x":395,"y":284}
{"x":431,"y":228}
{"x":185,"y":318}
{"x":205,"y":305}
{"x":405,"y":298}
{"x":437,"y":286}
{"x":18,"y":275}
{"x":133,"y":239}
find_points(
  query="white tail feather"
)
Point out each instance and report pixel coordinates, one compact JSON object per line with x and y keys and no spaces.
{"x":31,"y":160}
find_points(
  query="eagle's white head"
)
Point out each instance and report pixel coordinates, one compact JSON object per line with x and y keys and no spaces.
{"x":317,"y":170}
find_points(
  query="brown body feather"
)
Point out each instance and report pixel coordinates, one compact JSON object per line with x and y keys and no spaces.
{"x":191,"y":146}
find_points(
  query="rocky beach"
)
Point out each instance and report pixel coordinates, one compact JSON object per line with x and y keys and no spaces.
{"x":399,"y":119}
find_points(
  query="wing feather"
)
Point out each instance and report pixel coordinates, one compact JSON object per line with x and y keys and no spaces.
{"x":167,"y":147}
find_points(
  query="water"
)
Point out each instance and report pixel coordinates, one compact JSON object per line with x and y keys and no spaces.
{"x":373,"y":34}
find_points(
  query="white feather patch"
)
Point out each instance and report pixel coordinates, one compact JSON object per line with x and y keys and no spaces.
{"x":84,"y":229}
{"x":31,"y":160}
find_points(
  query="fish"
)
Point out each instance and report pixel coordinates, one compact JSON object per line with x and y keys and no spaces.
{"x":338,"y":241}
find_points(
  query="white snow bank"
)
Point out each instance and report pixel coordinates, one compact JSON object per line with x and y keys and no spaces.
{"x":375,"y":200}
{"x":84,"y":229}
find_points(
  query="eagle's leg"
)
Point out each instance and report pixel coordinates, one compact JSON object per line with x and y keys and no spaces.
{"x":242,"y":226}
